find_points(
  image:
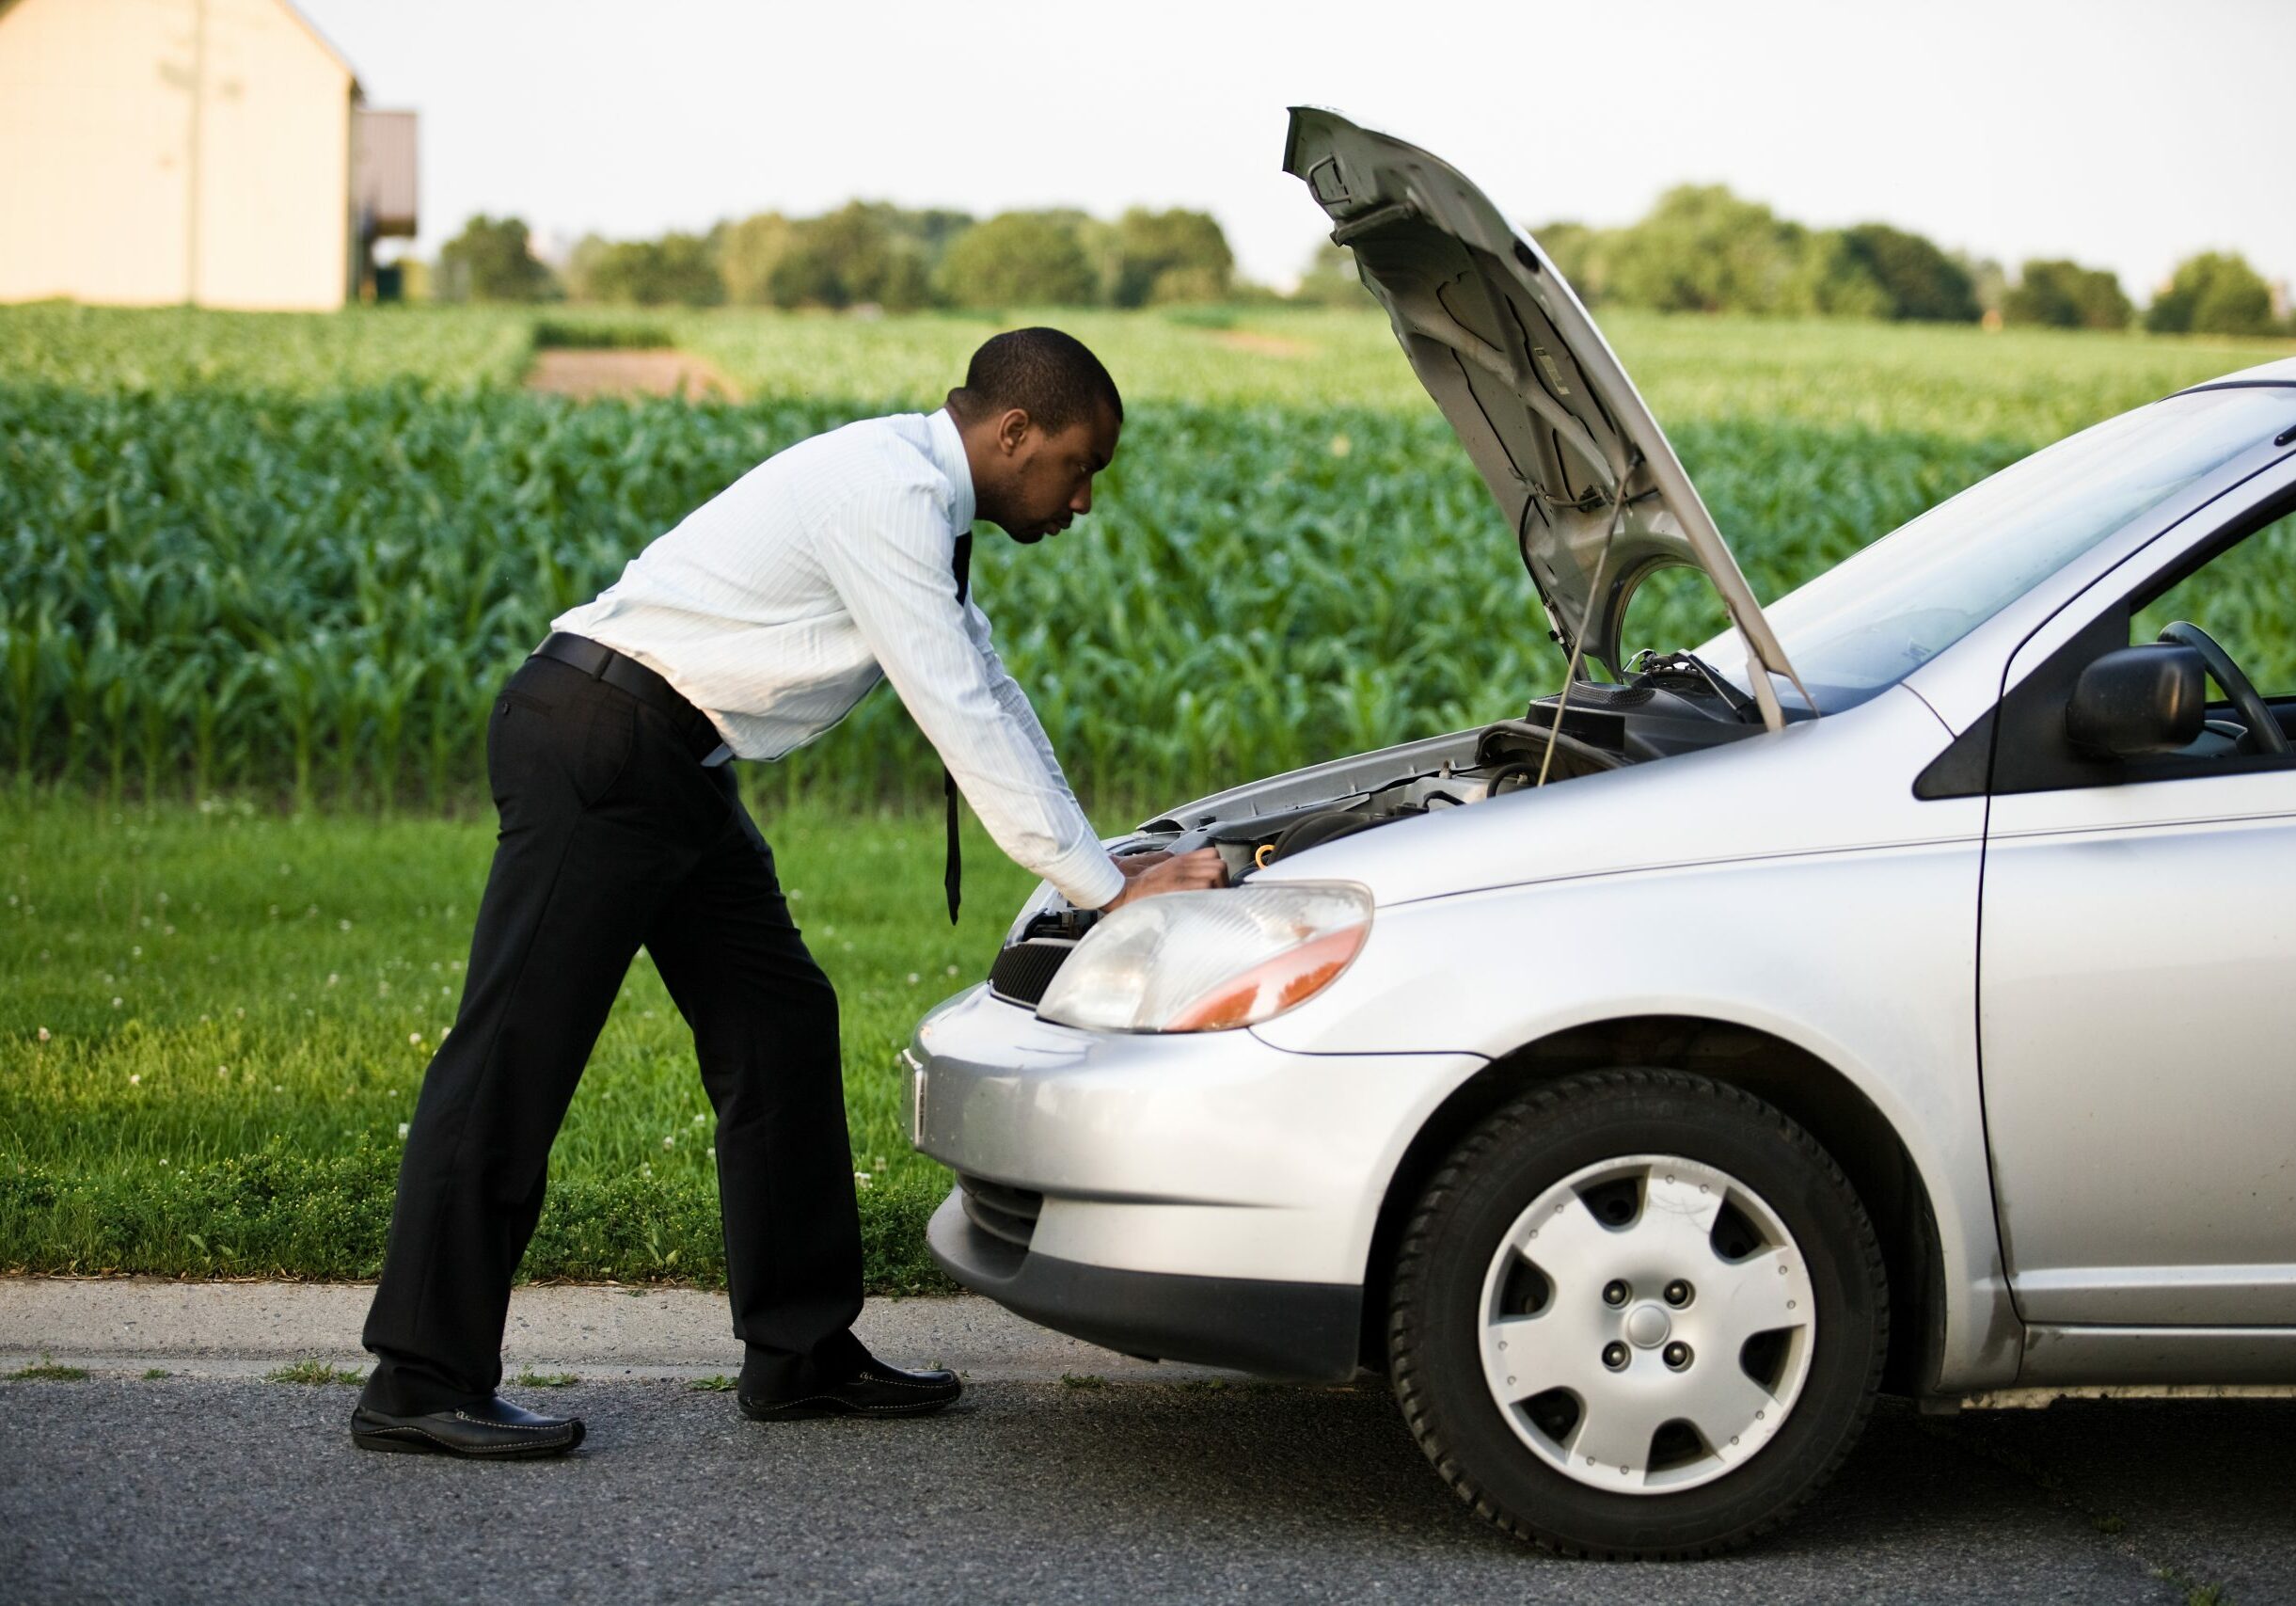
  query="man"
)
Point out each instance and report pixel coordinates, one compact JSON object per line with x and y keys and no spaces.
{"x":746,"y":630}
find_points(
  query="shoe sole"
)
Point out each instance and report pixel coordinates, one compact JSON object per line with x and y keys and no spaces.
{"x":803,"y":1410}
{"x":414,"y":1442}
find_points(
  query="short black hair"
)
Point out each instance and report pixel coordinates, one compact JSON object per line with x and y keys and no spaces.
{"x":1052,"y":376}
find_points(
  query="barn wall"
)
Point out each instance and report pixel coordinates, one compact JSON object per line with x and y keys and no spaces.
{"x":97,"y":141}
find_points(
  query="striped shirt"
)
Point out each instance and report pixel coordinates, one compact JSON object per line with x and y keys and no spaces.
{"x":778,"y":604}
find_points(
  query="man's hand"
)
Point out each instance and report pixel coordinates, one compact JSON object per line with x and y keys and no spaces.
{"x":1133,"y":863}
{"x":1188,"y":872}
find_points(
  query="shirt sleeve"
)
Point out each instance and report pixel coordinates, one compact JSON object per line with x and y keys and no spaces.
{"x":1011,"y":698}
{"x":887,"y":554}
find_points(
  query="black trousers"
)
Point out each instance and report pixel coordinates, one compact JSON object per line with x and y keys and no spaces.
{"x":613,"y":837}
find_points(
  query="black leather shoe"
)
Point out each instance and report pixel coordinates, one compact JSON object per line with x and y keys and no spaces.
{"x":496,"y":1431}
{"x":877,"y":1390}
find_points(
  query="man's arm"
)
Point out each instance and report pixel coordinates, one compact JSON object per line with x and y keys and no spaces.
{"x":1189,"y":872}
{"x":1010,"y":697}
{"x":888,"y":556}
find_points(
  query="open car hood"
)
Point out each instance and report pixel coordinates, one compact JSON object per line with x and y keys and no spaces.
{"x":1598,"y":500}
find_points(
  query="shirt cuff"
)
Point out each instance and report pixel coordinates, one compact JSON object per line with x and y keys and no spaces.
{"x":1087,"y":878}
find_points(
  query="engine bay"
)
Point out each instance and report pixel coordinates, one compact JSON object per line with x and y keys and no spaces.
{"x":1672,"y":702}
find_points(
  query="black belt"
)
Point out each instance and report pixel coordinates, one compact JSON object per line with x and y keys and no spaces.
{"x":601,"y":663}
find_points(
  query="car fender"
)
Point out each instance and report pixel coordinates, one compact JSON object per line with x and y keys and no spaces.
{"x":1863,"y":959}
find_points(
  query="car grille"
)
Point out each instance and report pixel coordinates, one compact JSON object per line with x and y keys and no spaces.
{"x":1007,"y":1213}
{"x":1025,"y":970}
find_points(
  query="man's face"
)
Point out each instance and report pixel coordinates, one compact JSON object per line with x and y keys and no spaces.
{"x":1052,"y":475}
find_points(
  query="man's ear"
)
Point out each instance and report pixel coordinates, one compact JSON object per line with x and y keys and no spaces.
{"x":1012,"y":428}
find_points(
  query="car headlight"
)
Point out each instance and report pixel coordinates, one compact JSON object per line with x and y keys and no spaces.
{"x":1195,"y":962}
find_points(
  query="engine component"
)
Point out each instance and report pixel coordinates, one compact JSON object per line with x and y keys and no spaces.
{"x":1326,"y":825}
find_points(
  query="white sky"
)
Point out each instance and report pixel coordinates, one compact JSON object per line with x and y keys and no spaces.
{"x":2122,"y":132}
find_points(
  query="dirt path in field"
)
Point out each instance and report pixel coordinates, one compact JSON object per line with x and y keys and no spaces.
{"x":587,"y":375}
{"x":1262,"y":345}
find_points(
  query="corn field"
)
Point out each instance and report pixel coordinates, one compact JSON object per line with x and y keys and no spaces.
{"x":294,"y":557}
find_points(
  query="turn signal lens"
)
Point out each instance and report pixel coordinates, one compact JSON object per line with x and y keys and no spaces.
{"x":1268,"y":990}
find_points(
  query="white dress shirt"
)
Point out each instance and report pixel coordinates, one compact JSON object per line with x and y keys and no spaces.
{"x":776,"y":605}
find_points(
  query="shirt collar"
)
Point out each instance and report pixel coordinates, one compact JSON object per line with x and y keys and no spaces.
{"x":947,"y":450}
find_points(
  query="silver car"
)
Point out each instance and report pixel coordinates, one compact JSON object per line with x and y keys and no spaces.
{"x":1892,"y":993}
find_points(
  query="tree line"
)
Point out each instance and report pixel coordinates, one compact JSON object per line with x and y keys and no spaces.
{"x":1701,"y":248}
{"x":864,"y":253}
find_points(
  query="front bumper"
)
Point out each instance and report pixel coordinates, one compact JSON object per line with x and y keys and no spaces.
{"x":1206,"y":1197}
{"x":1283,"y":1330}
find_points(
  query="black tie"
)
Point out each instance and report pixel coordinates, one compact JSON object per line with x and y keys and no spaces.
{"x":960,"y":565}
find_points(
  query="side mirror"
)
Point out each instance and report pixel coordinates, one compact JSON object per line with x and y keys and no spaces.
{"x":2137,"y":701}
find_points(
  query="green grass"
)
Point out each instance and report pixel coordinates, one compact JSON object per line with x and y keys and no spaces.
{"x":295,"y":557}
{"x":316,"y":1373}
{"x":317,"y":601}
{"x":282,"y":983}
{"x":529,"y":1378}
{"x":717,"y":1384}
{"x":1955,"y":380}
{"x":48,"y":1372}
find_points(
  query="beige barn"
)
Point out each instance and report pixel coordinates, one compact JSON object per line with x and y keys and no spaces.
{"x":211,"y":151}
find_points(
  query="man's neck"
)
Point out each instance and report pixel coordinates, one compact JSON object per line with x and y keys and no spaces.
{"x":981,"y":463}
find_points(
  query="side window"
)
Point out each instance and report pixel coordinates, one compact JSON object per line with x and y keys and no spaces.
{"x":2244,"y":596}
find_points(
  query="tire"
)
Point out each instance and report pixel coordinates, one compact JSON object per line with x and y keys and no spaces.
{"x":1512,"y":1356}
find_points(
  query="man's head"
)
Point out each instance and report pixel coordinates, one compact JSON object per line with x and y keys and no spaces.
{"x":1039,"y":417}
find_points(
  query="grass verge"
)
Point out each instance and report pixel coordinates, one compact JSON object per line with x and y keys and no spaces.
{"x":216,"y":1023}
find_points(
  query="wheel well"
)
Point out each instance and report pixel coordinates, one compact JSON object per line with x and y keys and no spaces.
{"x":1815,"y":1095}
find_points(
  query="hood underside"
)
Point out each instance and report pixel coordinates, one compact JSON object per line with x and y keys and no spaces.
{"x":1596,"y":494}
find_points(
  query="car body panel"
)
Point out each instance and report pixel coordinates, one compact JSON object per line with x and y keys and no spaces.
{"x":2157,"y":1357}
{"x":1828,"y":785}
{"x":1587,"y":479}
{"x":2137,"y":1018}
{"x":1215,"y":1155}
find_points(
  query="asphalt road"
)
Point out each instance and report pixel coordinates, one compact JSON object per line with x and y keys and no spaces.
{"x":1136,"y":1489}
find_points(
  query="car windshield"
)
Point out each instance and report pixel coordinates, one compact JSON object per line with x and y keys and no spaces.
{"x":1880,"y":613}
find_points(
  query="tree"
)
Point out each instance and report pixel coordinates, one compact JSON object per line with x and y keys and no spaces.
{"x":747,"y":252}
{"x":1330,"y":279}
{"x":582,"y":264}
{"x":1704,"y":249}
{"x":1989,"y":283}
{"x":491,"y":260}
{"x":847,"y":258}
{"x":1833,"y":279}
{"x":2062,"y":295}
{"x":931,"y":231}
{"x":1019,"y":259}
{"x":2215,"y":292}
{"x":1919,"y":281}
{"x":1576,"y":251}
{"x":1170,"y":256}
{"x":676,"y":268}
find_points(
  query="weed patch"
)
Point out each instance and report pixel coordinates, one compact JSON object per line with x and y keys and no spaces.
{"x":316,"y":1373}
{"x":47,"y":1372}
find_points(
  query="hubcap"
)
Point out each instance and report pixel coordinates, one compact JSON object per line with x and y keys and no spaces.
{"x":1647,"y":1324}
{"x":1647,"y":1327}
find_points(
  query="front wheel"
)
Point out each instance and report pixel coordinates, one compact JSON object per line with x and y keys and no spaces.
{"x":1638,"y":1313}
